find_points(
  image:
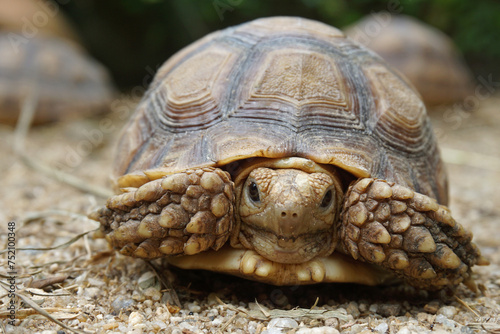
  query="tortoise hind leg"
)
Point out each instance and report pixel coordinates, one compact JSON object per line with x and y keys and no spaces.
{"x":407,"y":233}
{"x":178,"y":214}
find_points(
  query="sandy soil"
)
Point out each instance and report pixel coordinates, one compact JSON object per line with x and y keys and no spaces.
{"x":95,"y":290}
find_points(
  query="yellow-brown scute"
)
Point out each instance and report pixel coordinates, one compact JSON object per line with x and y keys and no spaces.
{"x":285,"y":216}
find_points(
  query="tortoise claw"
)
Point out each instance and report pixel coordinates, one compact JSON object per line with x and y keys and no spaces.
{"x":179,"y":214}
{"x":407,"y":233}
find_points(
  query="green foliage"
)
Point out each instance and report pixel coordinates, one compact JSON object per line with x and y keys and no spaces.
{"x":131,"y":35}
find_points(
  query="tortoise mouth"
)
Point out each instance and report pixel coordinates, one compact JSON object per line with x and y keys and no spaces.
{"x":289,"y":249}
{"x":248,"y":264}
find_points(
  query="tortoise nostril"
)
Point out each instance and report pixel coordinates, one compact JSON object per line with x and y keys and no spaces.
{"x":285,"y":214}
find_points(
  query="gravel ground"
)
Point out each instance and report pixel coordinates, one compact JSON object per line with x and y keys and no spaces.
{"x":86,"y":287}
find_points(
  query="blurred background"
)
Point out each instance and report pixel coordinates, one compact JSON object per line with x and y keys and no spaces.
{"x":133,"y":37}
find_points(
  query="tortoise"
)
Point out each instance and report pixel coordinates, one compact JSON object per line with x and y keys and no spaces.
{"x":281,"y":151}
{"x":35,"y":17}
{"x":424,"y":54}
{"x":50,"y":64}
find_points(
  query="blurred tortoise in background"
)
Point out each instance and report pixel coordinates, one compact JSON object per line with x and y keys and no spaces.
{"x":39,"y":54}
{"x":32,"y":17}
{"x":281,"y":151}
{"x":425,"y":55}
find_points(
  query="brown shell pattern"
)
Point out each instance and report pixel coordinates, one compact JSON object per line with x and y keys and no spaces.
{"x":425,"y":55}
{"x":280,"y":87}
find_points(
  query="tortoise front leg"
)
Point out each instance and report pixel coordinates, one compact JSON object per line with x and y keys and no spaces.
{"x":178,"y":214}
{"x":406,"y":232}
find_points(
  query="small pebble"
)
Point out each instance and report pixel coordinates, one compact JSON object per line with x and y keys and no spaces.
{"x":382,"y":328}
{"x":121,"y":302}
{"x":432,"y":307}
{"x":109,"y":326}
{"x":160,"y":324}
{"x":194,"y":307}
{"x":123,"y":329}
{"x":54,"y":267}
{"x":365,"y":331}
{"x":240,"y":322}
{"x":358,"y":328}
{"x":152,"y":293}
{"x":318,"y":330}
{"x":147,"y":280}
{"x":424,"y":317}
{"x":162,"y":314}
{"x":213,"y":312}
{"x":332,"y":322}
{"x":282,"y":323}
{"x":403,"y":319}
{"x":212,"y":299}
{"x":467,"y":330}
{"x":442,"y":331}
{"x":135,"y":318}
{"x":447,"y":323}
{"x":138,"y":296}
{"x":91,"y":292}
{"x":448,"y":311}
{"x":388,"y":310}
{"x":363,"y":307}
{"x":252,"y":327}
{"x":175,"y":330}
{"x":273,"y":330}
{"x":188,"y":327}
{"x":352,"y":309}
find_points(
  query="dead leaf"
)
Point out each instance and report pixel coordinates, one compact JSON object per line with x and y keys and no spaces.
{"x":43,"y":283}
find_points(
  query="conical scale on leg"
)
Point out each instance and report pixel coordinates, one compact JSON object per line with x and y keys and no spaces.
{"x":419,"y":240}
{"x":186,"y":213}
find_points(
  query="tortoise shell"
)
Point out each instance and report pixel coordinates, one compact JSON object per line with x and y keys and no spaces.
{"x":282,"y":87}
{"x":40,"y":54}
{"x":425,"y":55}
{"x":67,"y":81}
{"x":34,"y":18}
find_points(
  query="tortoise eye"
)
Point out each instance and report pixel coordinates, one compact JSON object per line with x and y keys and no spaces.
{"x":253,"y":192}
{"x":327,"y":199}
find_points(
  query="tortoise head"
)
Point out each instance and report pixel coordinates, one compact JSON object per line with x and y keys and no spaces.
{"x":287,"y":209}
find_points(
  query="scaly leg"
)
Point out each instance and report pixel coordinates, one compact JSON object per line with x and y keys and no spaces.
{"x":409,"y":233}
{"x":179,"y":214}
